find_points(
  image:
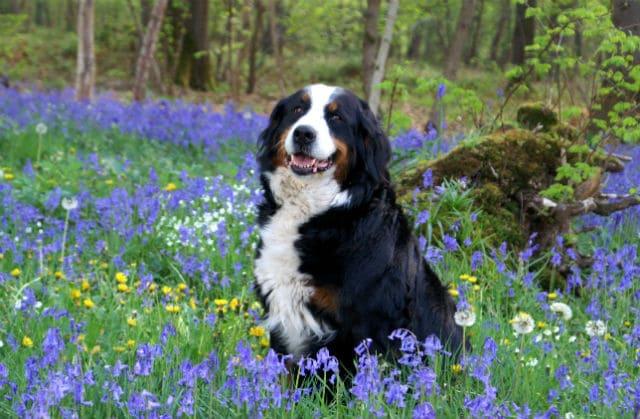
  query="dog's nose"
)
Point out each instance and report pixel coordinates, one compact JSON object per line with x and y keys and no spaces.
{"x":304,"y":135}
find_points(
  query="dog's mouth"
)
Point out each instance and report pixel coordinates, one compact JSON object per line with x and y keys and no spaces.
{"x":303,"y":164}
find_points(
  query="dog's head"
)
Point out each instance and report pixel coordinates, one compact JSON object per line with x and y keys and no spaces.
{"x":322,"y":130}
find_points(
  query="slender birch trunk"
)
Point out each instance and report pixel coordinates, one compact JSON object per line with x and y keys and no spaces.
{"x":383,"y":53}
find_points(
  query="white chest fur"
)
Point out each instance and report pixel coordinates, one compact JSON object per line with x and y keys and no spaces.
{"x":277,"y":268}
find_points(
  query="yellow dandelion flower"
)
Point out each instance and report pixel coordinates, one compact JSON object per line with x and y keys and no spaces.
{"x":108,"y":182}
{"x":627,"y":323}
{"x":192,"y":303}
{"x":96,"y":349}
{"x":541,"y":325}
{"x":170,"y":187}
{"x":257,"y":331}
{"x":132,"y":322}
{"x":88,"y":303}
{"x":552,"y":296}
{"x":505,"y":342}
{"x":456,"y":368}
{"x":123,"y":288}
{"x":80,"y":338}
{"x":104,"y":265}
{"x":131,"y":343}
{"x":58,"y":275}
{"x":453,"y":292}
{"x":9,"y":176}
{"x":182,"y":286}
{"x":264,"y":342}
{"x":607,"y":336}
{"x":220,"y":302}
{"x":166,"y":290}
{"x":234,"y":304}
{"x":121,"y":278}
{"x":464,"y":277}
{"x":84,"y":285}
{"x":476,"y":288}
{"x":472,"y":279}
{"x":172,"y":308}
{"x":27,"y":342}
{"x":153,"y":286}
{"x":75,"y":293}
{"x":15,"y":272}
{"x":119,"y":349}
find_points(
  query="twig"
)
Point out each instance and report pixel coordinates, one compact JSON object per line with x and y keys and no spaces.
{"x":391,"y":100}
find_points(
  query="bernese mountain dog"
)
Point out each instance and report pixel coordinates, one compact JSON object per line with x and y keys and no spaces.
{"x":337,"y":262}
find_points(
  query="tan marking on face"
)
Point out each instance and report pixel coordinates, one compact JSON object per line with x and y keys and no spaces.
{"x":341,"y":159}
{"x":332,"y":107}
{"x":306,"y":97}
{"x":325,"y":299}
{"x":280,"y":158}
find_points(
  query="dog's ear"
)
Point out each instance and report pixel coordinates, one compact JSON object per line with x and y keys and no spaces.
{"x":377,"y":149}
{"x":268,"y":139}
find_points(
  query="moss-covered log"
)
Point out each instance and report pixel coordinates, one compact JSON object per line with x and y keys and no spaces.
{"x":512,"y":170}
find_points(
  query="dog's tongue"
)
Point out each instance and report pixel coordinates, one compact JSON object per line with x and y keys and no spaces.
{"x":302,"y":160}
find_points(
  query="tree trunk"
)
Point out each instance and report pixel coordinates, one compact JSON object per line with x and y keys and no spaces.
{"x":243,"y":51}
{"x":194,"y":68}
{"x":145,"y":12}
{"x":505,"y":14}
{"x":230,"y":69}
{"x":577,"y":41}
{"x":626,"y":17}
{"x":475,"y":36}
{"x":86,"y":71}
{"x":381,"y":58}
{"x":275,"y":43}
{"x":523,"y":32}
{"x":253,"y":46}
{"x":460,"y":36}
{"x":176,"y":18}
{"x":370,"y":43}
{"x":42,"y":15}
{"x":415,"y":42}
{"x":148,"y":48}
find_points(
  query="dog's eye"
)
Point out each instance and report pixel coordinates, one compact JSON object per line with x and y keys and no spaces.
{"x":335,"y":117}
{"x":297,"y":109}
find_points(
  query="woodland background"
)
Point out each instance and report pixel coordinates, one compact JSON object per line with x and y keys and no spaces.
{"x":253,"y":52}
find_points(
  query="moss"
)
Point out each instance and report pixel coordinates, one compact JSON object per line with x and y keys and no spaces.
{"x":534,"y":115}
{"x":499,"y":221}
{"x":510,"y":159}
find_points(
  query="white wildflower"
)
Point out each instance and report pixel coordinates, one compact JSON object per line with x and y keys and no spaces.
{"x":41,"y":129}
{"x":523,"y":323}
{"x":532,"y":362}
{"x":69,"y":204}
{"x":562,"y":309}
{"x":595,"y":328}
{"x":465,"y":318}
